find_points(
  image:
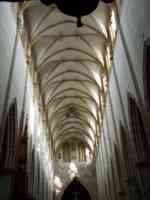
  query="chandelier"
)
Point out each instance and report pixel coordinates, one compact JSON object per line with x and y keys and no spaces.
{"x":75,"y":8}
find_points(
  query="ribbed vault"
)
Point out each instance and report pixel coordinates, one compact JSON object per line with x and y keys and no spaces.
{"x":72,"y":66}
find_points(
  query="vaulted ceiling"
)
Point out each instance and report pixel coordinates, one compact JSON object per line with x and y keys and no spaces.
{"x":72,"y":65}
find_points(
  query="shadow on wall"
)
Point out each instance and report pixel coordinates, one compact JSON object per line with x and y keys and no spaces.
{"x":7,"y":155}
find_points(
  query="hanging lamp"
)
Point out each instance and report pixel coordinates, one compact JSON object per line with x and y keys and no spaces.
{"x":75,"y":8}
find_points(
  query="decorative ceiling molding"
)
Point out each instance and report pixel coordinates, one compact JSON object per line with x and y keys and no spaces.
{"x":71,"y":67}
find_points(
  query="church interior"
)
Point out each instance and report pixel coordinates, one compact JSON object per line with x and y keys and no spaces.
{"x":74,"y":100}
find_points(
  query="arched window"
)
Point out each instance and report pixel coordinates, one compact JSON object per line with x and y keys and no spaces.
{"x":8,"y":153}
{"x":72,"y":150}
{"x":141,"y":146}
{"x":139,"y":135}
{"x":129,"y":162}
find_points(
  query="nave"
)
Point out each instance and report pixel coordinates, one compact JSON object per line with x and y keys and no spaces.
{"x":75,"y":101}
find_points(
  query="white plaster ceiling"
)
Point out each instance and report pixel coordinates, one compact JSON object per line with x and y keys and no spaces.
{"x":70,"y":62}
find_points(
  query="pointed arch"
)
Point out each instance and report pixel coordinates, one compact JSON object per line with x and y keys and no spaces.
{"x":76,"y":190}
{"x":140,"y":144}
{"x":138,"y":132}
{"x":132,"y":178}
{"x":8,"y":157}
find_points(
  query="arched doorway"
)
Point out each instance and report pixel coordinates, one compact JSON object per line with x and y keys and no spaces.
{"x":75,"y":191}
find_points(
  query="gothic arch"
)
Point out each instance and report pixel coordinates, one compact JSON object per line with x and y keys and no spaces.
{"x":75,"y":188}
{"x":141,"y":146}
{"x":146,"y":72}
{"x":138,"y":132}
{"x":8,"y":157}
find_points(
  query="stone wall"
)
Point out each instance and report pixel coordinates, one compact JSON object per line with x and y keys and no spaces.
{"x":12,"y":65}
{"x":16,"y":82}
{"x":126,"y":79}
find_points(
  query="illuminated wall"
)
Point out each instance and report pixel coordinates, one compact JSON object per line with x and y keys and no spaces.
{"x":73,"y":150}
{"x":17,"y":82}
{"x":117,"y":145}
